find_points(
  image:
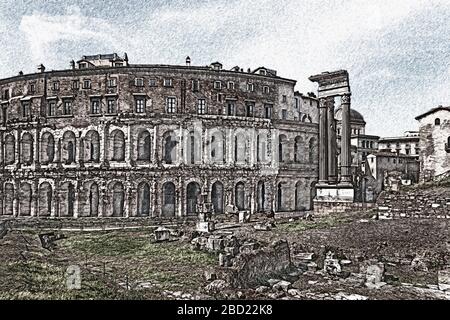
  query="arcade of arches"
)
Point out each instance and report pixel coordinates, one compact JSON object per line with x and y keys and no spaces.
{"x":155,"y":172}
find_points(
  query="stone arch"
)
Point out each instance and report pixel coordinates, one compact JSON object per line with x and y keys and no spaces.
{"x":282,"y":148}
{"x":298,"y":149}
{"x":313,"y":155}
{"x":92,"y":146}
{"x":143,"y":199}
{"x":170,"y":144}
{"x":261,"y":196}
{"x":45,"y":200}
{"x":90,"y":199}
{"x":217,"y":147}
{"x":27,"y":148}
{"x":69,"y":147}
{"x":169,"y":199}
{"x":298,"y":196}
{"x":280,"y":197}
{"x":193,"y":148}
{"x":10,"y":149}
{"x":217,"y":196}
{"x":193,"y":192}
{"x":241,"y":147}
{"x":261,"y":147}
{"x":117,"y":196}
{"x":240,"y":196}
{"x":47,"y":148}
{"x":118,"y":145}
{"x":8,"y":199}
{"x":144,"y":146}
{"x":25,"y":198}
{"x":67,"y":200}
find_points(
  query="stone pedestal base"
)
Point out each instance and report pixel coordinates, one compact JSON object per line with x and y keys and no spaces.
{"x":205,"y":227}
{"x":162,"y":234}
{"x":341,"y":192}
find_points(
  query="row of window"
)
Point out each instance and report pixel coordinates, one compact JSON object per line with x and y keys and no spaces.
{"x":140,"y":82}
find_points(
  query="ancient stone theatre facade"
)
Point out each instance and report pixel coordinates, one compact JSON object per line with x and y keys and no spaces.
{"x":106,"y":138}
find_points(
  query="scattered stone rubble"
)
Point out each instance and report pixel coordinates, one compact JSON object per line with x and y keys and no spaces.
{"x":48,"y":240}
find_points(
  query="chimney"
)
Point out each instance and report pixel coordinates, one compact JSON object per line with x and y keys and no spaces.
{"x":72,"y":65}
{"x":41,"y":68}
{"x":125,"y":58}
{"x":188,"y":61}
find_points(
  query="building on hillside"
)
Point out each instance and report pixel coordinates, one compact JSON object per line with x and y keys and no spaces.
{"x":106,"y":138}
{"x":434,"y":143}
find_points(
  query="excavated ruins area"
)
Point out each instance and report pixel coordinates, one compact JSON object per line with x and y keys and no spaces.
{"x":340,"y":257}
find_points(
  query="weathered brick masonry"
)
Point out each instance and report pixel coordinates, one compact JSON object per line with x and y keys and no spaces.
{"x":433,"y":203}
{"x":150,"y":140}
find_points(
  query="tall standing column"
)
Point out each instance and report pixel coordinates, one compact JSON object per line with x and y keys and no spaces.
{"x":323,"y":137}
{"x":346,"y":156}
{"x":332,"y":163}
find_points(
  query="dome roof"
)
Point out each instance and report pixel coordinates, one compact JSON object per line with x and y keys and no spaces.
{"x":355,"y":116}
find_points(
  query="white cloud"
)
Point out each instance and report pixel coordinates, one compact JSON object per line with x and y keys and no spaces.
{"x":43,"y":32}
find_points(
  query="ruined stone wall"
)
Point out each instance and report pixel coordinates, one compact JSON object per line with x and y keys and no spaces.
{"x":433,"y":203}
{"x":255,"y":266}
{"x":116,"y":161}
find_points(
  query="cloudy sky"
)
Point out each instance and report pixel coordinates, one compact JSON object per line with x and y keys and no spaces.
{"x":397,"y":52}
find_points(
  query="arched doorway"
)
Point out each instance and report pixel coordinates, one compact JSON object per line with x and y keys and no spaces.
{"x":280,"y":197}
{"x":45,"y":200}
{"x":92,"y":146}
{"x":47,"y":148}
{"x":67,"y":200}
{"x":217,"y":197}
{"x":298,"y":199}
{"x":10,"y":149}
{"x":118,"y":200}
{"x":192,"y":197}
{"x":282,"y":152}
{"x":25,"y":200}
{"x":143,"y":199}
{"x":118,"y":147}
{"x":169,"y":197}
{"x":9,"y":199}
{"x":144,"y":146}
{"x":261,"y":196}
{"x":239,"y":196}
{"x":93,"y":200}
{"x":68,"y":151}
{"x":27,"y":148}
{"x":170,"y":148}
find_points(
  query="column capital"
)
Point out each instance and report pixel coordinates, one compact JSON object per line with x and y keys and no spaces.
{"x":345,"y":98}
{"x":322,"y":102}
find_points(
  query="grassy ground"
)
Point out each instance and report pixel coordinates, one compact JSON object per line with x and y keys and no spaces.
{"x":108,"y":261}
{"x":111,"y":260}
